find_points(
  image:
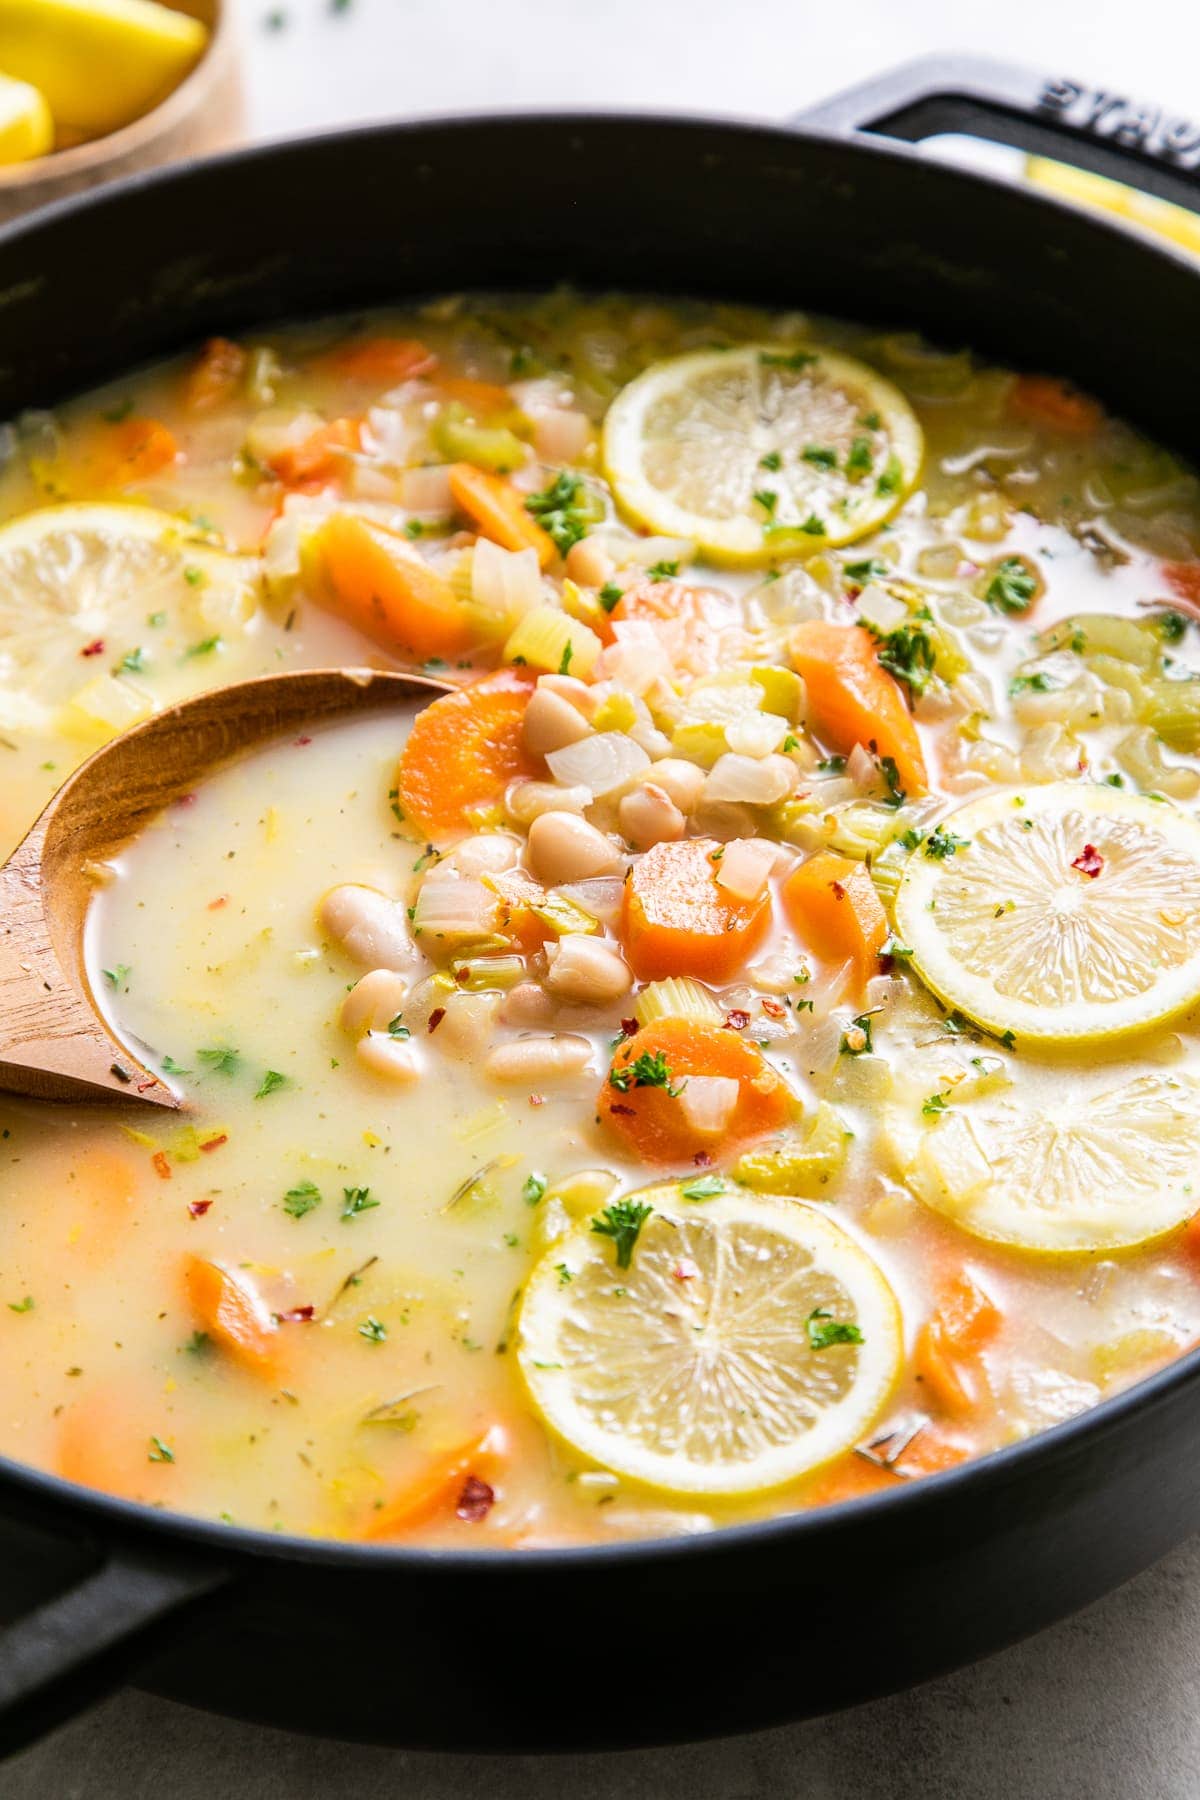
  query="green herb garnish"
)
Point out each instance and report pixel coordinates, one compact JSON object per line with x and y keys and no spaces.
{"x":622,"y":1222}
{"x":304,"y":1198}
{"x":824,"y":1330}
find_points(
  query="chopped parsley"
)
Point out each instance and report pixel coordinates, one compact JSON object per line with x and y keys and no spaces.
{"x":534,"y":1189}
{"x":704,"y":1187}
{"x":768,"y":499}
{"x":895,"y":795}
{"x":1170,"y":626}
{"x":564,"y":661}
{"x":222,"y":1060}
{"x":812,"y":526}
{"x":160,"y":1452}
{"x":373,"y":1329}
{"x":356,"y":1200}
{"x":118,"y":976}
{"x":132,"y":663}
{"x":820,"y":456}
{"x":204,"y":648}
{"x":856,"y":1039}
{"x":21,"y":1306}
{"x":908,"y":654}
{"x":824,"y":1330}
{"x":942,"y":843}
{"x":271,"y":1080}
{"x":397,"y":1028}
{"x":646,"y":1070}
{"x":772,"y":461}
{"x":171,"y":1067}
{"x":304,"y":1198}
{"x":860,"y":458}
{"x":558,"y":511}
{"x":563,"y":1273}
{"x":663,"y":571}
{"x":622,"y":1222}
{"x":197,"y":1344}
{"x":609,"y":594}
{"x":869,"y":569}
{"x":1012,"y":586}
{"x":933,"y":1105}
{"x":1037,"y":683}
{"x":892,"y":479}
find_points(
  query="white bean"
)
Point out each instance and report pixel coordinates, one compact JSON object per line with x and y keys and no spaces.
{"x":562,"y":847}
{"x":589,"y":562}
{"x":680,"y":781}
{"x":649,"y":816}
{"x":526,"y":801}
{"x":583,"y":969}
{"x":527,"y":1004}
{"x":488,"y":854}
{"x":466,"y":1025}
{"x":396,"y":1059}
{"x":551,"y":723}
{"x":538,"y":1059}
{"x":371,"y":929}
{"x":568,"y":687}
{"x":373,"y":1002}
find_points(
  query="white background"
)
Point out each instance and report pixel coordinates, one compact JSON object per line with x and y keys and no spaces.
{"x":1106,"y":1707}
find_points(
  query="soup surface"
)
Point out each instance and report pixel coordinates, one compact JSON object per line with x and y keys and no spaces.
{"x":734,"y":1051}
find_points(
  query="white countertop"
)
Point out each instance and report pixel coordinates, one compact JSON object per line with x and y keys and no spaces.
{"x":1105,"y":1707}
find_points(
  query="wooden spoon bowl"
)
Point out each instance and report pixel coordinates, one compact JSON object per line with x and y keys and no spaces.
{"x":54,"y":1041}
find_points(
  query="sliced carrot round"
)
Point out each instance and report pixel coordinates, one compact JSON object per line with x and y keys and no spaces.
{"x":852,"y":700}
{"x":833,"y":907}
{"x":461,"y":754}
{"x":643,"y":1096}
{"x":230,"y":1310}
{"x":387,"y":589}
{"x":678,"y":920}
{"x":104,"y":1441}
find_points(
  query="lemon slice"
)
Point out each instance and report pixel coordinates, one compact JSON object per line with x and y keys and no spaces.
{"x":761,"y":452}
{"x":1063,"y":915}
{"x":26,"y":128}
{"x":697,"y":1368}
{"x":76,"y":576}
{"x":1082,"y":1172}
{"x":100,"y":63}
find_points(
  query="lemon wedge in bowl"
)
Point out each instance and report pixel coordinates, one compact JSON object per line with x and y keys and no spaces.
{"x":1070,"y":1171}
{"x":1069,"y":914}
{"x":99,"y":63}
{"x":719,"y":1346}
{"x":761,"y":451}
{"x":26,"y":127}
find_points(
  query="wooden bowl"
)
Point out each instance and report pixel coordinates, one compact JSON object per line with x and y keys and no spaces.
{"x":203,"y":113}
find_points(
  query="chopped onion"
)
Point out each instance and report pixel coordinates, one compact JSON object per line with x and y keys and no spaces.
{"x":505,"y":582}
{"x":599,"y":895}
{"x":745,"y":867}
{"x":862,"y":768}
{"x":752,"y":781}
{"x":881,"y":610}
{"x":453,"y":906}
{"x":560,"y":436}
{"x":603,"y":762}
{"x":756,"y":733}
{"x":637,"y":659}
{"x":708,"y":1101}
{"x":426,"y":490}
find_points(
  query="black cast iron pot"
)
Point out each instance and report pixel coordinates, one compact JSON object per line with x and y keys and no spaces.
{"x":656,"y":1641}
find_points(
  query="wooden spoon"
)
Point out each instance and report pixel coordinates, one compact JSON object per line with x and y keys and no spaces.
{"x":54,"y":1042}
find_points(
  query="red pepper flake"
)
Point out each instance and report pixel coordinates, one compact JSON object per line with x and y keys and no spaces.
{"x":685,"y":1269}
{"x":299,"y":1315}
{"x":303,"y":741}
{"x":463,"y":976}
{"x":1089,"y":862}
{"x":773,"y":1009}
{"x":629,"y":1028}
{"x":628,"y":1112}
{"x":186,"y":800}
{"x":475,"y":1500}
{"x":215,"y":1143}
{"x":737,"y":1020}
{"x":837,"y":890}
{"x":702,"y":1160}
{"x":94,"y":649}
{"x":151,"y":1081}
{"x":537,"y":1099}
{"x":160,"y":1164}
{"x":221,"y":900}
{"x":198,"y":1208}
{"x":435,"y":1018}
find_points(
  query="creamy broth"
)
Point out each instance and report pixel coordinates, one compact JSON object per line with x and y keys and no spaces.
{"x":387,"y":1229}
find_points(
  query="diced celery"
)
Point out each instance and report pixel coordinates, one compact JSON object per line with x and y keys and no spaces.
{"x":862,"y":831}
{"x":1173,"y":711}
{"x":798,"y":1165}
{"x":563,"y":916}
{"x":579,"y":603}
{"x":458,"y":438}
{"x":676,"y":997}
{"x":782,"y":691}
{"x":481,"y":974}
{"x":699,"y":743}
{"x":1133,"y":1353}
{"x":886,"y":870}
{"x":103,"y":707}
{"x":1105,"y":634}
{"x":547,"y":638}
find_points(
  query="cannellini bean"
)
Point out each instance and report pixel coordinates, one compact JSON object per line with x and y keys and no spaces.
{"x":649,"y":816}
{"x":466,"y":1025}
{"x":373,"y":1002}
{"x":396,"y":1059}
{"x":583,"y":969}
{"x":589,"y":563}
{"x":526,"y":801}
{"x":562,"y":847}
{"x":569,"y":687}
{"x":681,"y":781}
{"x":551,"y":723}
{"x":370,"y":928}
{"x":489,"y":854}
{"x":527,"y":1004}
{"x":538,"y":1059}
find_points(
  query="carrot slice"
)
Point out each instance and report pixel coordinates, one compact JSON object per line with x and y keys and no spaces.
{"x":229,"y":1308}
{"x":478,"y":396}
{"x":1183,"y":579}
{"x":498,"y":509}
{"x":1044,"y":400}
{"x":833,"y":907}
{"x":215,"y":375}
{"x":462,"y":752}
{"x":135,"y":450}
{"x":383,"y":359}
{"x":678,"y":920}
{"x":853,"y":1475}
{"x":320,"y":455}
{"x":948,"y":1344}
{"x":969,"y":1317}
{"x":385,"y":588}
{"x":851,"y":700}
{"x":641,"y":1099}
{"x":434,"y":1490}
{"x":104,"y":1442}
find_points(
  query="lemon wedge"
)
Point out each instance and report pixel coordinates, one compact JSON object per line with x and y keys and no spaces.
{"x":26,"y":127}
{"x":99,"y":63}
{"x":78,"y":585}
{"x":761,"y":452}
{"x":1079,"y":1172}
{"x":1064,"y":915}
{"x":747,"y":1341}
{"x":1097,"y":192}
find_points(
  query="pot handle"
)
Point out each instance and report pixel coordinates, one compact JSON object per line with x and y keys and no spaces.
{"x":71,"y":1651}
{"x":1102,"y":130}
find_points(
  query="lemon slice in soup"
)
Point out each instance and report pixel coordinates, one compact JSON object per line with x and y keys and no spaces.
{"x":1063,"y":915}
{"x":762,"y":451}
{"x":78,"y":585}
{"x":1072,"y":1172}
{"x":716,"y":1346}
